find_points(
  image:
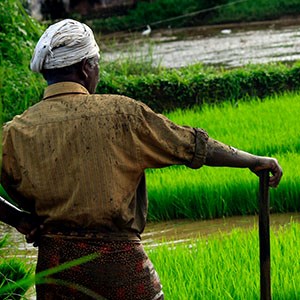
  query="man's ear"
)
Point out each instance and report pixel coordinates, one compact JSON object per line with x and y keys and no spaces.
{"x":85,"y":68}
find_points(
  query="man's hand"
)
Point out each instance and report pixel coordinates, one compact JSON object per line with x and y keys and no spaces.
{"x":268,"y":163}
{"x":26,"y":223}
{"x":29,"y":225}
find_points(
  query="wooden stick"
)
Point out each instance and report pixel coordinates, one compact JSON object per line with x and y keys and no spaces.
{"x":264,"y":236}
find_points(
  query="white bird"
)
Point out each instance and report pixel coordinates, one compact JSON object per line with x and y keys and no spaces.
{"x":147,"y":31}
{"x":226,"y":31}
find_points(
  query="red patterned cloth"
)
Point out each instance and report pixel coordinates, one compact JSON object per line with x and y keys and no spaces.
{"x":122,"y":271}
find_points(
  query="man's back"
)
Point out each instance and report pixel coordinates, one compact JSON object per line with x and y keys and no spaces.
{"x":81,"y":157}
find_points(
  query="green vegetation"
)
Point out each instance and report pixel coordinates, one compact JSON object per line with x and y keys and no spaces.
{"x":227,"y":267}
{"x":257,"y":10}
{"x":196,"y":85}
{"x":262,"y":127}
{"x":20,"y":87}
{"x":177,"y":13}
{"x":12,"y":270}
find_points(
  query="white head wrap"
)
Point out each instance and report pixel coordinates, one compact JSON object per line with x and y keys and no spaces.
{"x":63,"y":44}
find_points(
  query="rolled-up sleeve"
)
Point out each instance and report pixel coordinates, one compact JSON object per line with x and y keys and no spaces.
{"x":199,"y":158}
{"x":162,"y":142}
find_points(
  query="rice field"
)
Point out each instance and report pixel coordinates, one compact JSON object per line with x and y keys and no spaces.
{"x":227,"y":267}
{"x":263,"y":127}
{"x":267,"y":127}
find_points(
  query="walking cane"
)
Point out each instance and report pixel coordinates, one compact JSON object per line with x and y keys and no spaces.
{"x":264,"y":236}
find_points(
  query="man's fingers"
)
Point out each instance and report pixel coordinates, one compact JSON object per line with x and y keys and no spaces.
{"x":276,"y":176}
{"x":29,"y":239}
{"x":34,"y":234}
{"x":273,"y":166}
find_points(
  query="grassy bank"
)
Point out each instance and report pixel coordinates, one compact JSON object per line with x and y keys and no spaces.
{"x":263,"y":128}
{"x":227,"y":267}
{"x":20,"y":87}
{"x":176,"y":13}
{"x":196,"y":85}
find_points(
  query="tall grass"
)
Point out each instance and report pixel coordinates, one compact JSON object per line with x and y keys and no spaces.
{"x":263,"y":128}
{"x":227,"y":267}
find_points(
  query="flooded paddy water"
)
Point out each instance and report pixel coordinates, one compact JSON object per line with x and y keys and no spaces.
{"x":175,"y":231}
{"x":229,"y":45}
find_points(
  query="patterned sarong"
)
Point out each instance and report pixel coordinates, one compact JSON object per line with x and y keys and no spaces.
{"x":121,"y":271}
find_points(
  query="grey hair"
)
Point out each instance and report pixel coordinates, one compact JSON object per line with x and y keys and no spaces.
{"x":93,"y":61}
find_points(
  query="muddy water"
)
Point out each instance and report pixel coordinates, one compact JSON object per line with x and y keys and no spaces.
{"x":229,"y":46}
{"x":179,"y":231}
{"x":183,"y":231}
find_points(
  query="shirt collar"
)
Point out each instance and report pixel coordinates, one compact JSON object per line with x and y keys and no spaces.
{"x":64,"y":88}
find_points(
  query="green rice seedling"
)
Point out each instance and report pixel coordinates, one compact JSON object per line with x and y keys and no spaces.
{"x":11,"y":271}
{"x":25,"y":88}
{"x":264,"y":128}
{"x":215,"y":192}
{"x":226,"y":266}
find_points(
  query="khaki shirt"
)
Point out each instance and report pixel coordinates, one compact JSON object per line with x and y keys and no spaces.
{"x":78,"y":160}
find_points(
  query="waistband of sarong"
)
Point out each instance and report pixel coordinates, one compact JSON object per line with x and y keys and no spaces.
{"x":74,"y":233}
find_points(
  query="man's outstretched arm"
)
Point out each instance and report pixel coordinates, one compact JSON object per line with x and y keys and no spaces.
{"x":219,"y":154}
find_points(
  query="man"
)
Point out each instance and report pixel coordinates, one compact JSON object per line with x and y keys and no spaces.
{"x":77,"y":161}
